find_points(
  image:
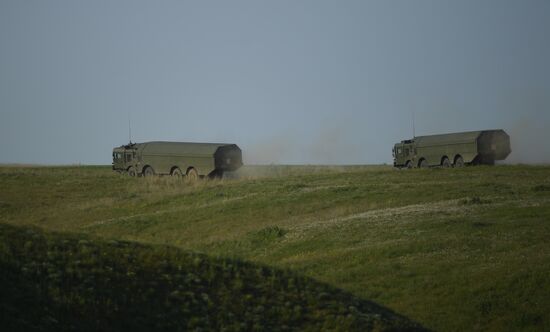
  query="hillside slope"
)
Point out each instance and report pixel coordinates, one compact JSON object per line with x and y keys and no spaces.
{"x":53,"y":282}
{"x":454,"y":249}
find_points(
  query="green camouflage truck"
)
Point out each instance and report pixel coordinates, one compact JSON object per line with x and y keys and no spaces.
{"x":193,"y":160}
{"x":456,"y":149}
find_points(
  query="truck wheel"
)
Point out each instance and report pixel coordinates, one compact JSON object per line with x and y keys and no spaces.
{"x":192,"y":174}
{"x":176,"y":173}
{"x":408,"y":164}
{"x":459,"y":162}
{"x":423,"y":163}
{"x":148,"y":171}
{"x":446,"y":163}
{"x":132,"y":171}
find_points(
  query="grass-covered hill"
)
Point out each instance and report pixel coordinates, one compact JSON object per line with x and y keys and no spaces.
{"x":454,"y":249}
{"x":53,"y":282}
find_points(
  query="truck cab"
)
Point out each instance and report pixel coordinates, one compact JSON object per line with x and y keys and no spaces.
{"x":124,"y":159}
{"x":404,"y":154}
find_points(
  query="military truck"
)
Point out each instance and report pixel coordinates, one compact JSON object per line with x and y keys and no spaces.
{"x":452,"y":150}
{"x":179,"y":159}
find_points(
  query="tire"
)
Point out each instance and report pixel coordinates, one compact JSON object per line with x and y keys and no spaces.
{"x":192,"y":175}
{"x":176,"y":172}
{"x":408,"y":164}
{"x":459,"y":162}
{"x":132,"y":171}
{"x":445,"y":163}
{"x":148,"y":171}
{"x":423,"y":163}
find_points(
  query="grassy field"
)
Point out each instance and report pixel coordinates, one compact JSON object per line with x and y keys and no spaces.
{"x":457,"y":249}
{"x":62,"y":282}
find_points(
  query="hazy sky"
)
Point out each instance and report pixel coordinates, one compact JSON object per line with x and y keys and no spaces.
{"x":289,"y":81}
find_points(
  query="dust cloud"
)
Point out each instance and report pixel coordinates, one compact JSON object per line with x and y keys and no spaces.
{"x":529,"y":141}
{"x":272,"y":150}
{"x":325,"y":150}
{"x":338,"y":144}
{"x":332,"y":144}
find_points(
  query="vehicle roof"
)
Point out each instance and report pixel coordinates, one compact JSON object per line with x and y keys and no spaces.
{"x":467,"y":136}
{"x":181,"y":147}
{"x":448,"y":138}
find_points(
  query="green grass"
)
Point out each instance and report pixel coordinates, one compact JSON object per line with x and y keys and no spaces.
{"x":456,"y":249}
{"x":64,"y":282}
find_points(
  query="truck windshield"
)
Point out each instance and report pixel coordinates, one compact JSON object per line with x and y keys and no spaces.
{"x":117,"y":155}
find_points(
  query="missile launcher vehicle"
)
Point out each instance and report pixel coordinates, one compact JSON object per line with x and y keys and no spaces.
{"x":193,"y":160}
{"x":452,"y":150}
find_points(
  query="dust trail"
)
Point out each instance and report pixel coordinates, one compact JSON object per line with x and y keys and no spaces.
{"x":333,"y":145}
{"x":276,"y":171}
{"x":529,"y":140}
{"x":272,"y":150}
{"x":326,"y":142}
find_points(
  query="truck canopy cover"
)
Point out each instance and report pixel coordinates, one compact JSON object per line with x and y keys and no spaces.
{"x":180,"y":148}
{"x":453,"y":138}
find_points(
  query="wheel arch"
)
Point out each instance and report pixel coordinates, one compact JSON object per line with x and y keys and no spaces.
{"x":131,"y":167}
{"x":173,"y":168}
{"x":145,"y":167}
{"x":420,"y":161}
